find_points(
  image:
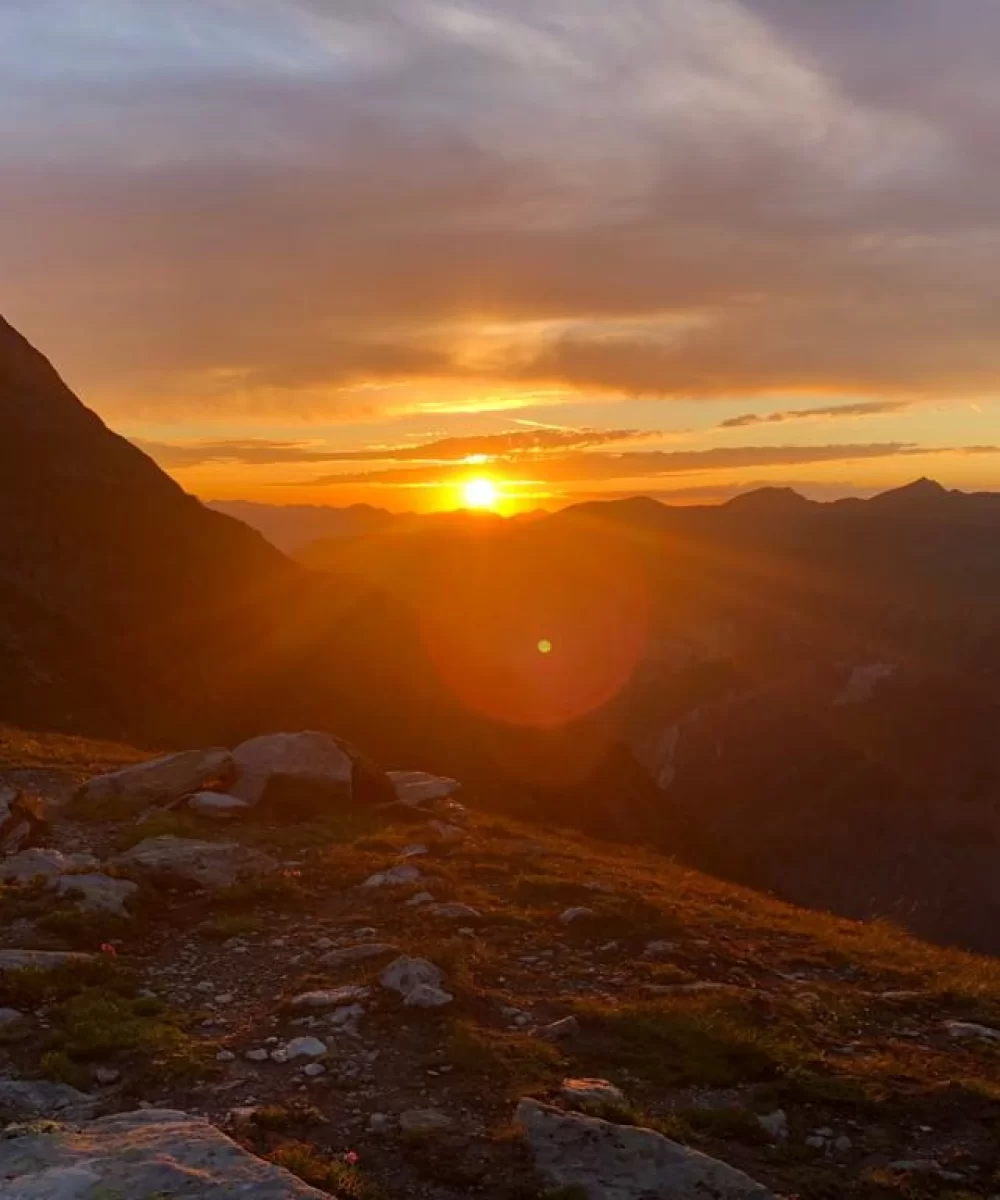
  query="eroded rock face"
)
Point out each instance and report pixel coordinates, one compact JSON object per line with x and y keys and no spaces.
{"x":624,"y":1162}
{"x":16,"y":960}
{"x":153,"y":1153}
{"x":161,"y":780}
{"x":277,"y":765}
{"x":209,"y":864}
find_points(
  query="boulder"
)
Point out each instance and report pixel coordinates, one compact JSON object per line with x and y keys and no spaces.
{"x":606,"y":1161}
{"x":292,"y":769}
{"x":162,"y":780}
{"x":28,"y":1099}
{"x":208,"y":864}
{"x":417,"y":789}
{"x":217,"y":805}
{"x":96,"y":893}
{"x":43,"y":864}
{"x":141,"y":1154}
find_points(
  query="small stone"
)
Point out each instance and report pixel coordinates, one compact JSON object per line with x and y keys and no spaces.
{"x":256,"y":1056}
{"x":593,"y":1094}
{"x":967,"y":1029}
{"x":454,"y":912}
{"x":331,"y":997}
{"x":413,"y":851}
{"x":279,"y":1056}
{"x":443,"y":832}
{"x":217,"y":805}
{"x":421,"y":1122}
{"x":225,"y":998}
{"x":426,"y":996}
{"x":774,"y":1124}
{"x":313,"y":1070}
{"x":577,"y":913}
{"x":418,"y":899}
{"x":205,"y":986}
{"x":304,"y":1047}
{"x":346,"y":1017}
{"x":353,"y":954}
{"x":105,"y":1076}
{"x":324,"y":943}
{"x":405,"y":973}
{"x":379,"y":1123}
{"x":395,"y":877}
{"x":568,"y":1027}
{"x":10,"y":1016}
{"x":659,"y":949}
{"x":816,"y":1143}
{"x":225,"y":1056}
{"x":843,"y":1144}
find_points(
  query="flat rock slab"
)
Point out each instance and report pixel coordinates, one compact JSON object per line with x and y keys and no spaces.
{"x":45,"y":960}
{"x":141,"y":1154}
{"x":624,"y":1162}
{"x":162,"y":779}
{"x":209,"y":864}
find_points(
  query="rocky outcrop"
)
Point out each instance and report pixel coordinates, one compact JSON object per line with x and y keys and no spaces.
{"x":161,"y":780}
{"x":208,"y":864}
{"x":624,"y":1162}
{"x":141,"y":1154}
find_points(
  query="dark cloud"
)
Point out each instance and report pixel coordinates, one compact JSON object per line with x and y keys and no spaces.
{"x":866,"y":408}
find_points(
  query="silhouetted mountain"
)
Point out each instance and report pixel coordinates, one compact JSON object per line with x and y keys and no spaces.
{"x":293,"y":526}
{"x":804,"y":696}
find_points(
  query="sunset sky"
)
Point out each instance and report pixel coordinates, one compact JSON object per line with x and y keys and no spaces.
{"x":329,"y":251}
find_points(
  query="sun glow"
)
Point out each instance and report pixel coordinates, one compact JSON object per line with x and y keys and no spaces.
{"x":480,"y":493}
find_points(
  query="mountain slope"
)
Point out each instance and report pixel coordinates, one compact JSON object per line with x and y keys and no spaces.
{"x":710,"y":1006}
{"x":115,"y":584}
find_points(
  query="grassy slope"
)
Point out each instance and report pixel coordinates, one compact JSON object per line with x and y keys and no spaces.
{"x":838,"y":1023}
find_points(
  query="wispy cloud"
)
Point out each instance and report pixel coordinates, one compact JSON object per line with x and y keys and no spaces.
{"x":868,"y":408}
{"x":248,"y":451}
{"x":590,"y":466}
{"x":522,"y":443}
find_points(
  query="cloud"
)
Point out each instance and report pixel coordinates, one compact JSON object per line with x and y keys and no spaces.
{"x":306,"y":207}
{"x":518,"y":444}
{"x":866,"y":408}
{"x":248,"y":451}
{"x":593,"y":466}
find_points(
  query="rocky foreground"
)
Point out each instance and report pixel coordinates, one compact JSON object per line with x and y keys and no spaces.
{"x":274,"y":972}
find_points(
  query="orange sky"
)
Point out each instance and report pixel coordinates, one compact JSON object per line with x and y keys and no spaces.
{"x":327,"y":252}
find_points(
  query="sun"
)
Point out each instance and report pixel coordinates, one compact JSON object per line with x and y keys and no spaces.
{"x":480,"y":493}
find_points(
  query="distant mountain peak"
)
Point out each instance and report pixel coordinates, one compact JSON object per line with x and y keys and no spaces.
{"x":769,"y":499}
{"x":919,"y":491}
